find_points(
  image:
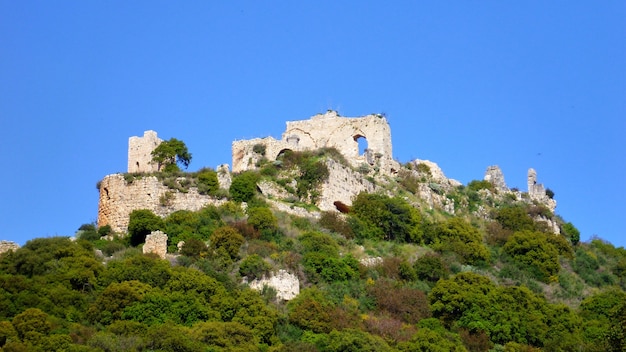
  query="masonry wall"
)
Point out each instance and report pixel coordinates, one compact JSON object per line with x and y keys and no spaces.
{"x":118,"y":199}
{"x":325,"y":131}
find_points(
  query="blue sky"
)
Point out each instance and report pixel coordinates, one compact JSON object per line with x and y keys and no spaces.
{"x":466,"y":84}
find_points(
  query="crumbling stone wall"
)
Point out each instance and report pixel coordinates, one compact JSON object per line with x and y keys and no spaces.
{"x":327,"y":130}
{"x":537,"y":192}
{"x":496,"y":177}
{"x":140,"y":152}
{"x":156,"y":242}
{"x":119,"y":198}
{"x":6,"y":246}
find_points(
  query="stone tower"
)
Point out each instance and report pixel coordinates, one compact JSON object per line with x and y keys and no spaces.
{"x":139,"y":152}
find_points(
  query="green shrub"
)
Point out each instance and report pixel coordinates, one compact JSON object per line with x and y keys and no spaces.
{"x":431,"y":267}
{"x":243,"y":188}
{"x":194,"y":248}
{"x":262,"y":219}
{"x":253,"y":267}
{"x":141,"y":223}
{"x":259,"y":149}
{"x":379,"y":217}
{"x":571,"y":232}
{"x":332,"y":221}
{"x":228,"y":240}
{"x":424,"y":169}
{"x":477,"y":185}
{"x":105,"y":230}
{"x":88,"y":232}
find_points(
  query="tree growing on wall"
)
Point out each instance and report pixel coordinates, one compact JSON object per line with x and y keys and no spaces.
{"x":169,"y":154}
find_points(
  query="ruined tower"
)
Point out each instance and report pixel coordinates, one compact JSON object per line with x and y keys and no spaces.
{"x":140,"y":152}
{"x":328,"y":130}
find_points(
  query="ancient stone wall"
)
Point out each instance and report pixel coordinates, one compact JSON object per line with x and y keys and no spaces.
{"x":140,"y":152}
{"x":342,"y":185}
{"x":325,"y":131}
{"x":119,"y":198}
{"x":156,"y":242}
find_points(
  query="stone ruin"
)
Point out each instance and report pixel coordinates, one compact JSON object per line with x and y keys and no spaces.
{"x":156,"y":242}
{"x":496,"y":177}
{"x":328,"y":130}
{"x":6,"y":246}
{"x":537,"y":192}
{"x":140,"y":152}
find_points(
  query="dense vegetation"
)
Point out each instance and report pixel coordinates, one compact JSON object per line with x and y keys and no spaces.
{"x":488,"y":279}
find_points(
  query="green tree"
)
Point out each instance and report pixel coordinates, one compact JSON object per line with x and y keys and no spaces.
{"x":353,"y":340}
{"x":230,"y":336}
{"x":570,"y":231}
{"x":533,"y":250}
{"x":169,"y":154}
{"x":117,"y":296}
{"x":311,"y":310}
{"x":380,"y":217}
{"x":458,"y":236}
{"x":32,"y":320}
{"x":141,"y":223}
{"x":262,"y":218}
{"x":451,"y":298}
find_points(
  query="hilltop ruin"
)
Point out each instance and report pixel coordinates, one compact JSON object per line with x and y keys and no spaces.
{"x":120,"y":194}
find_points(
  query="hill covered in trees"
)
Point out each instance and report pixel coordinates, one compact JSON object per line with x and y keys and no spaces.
{"x":387,"y":273}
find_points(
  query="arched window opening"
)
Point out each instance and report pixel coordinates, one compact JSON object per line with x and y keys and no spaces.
{"x":362,"y":142}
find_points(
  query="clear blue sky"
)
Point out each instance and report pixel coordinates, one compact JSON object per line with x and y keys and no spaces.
{"x":466,"y":84}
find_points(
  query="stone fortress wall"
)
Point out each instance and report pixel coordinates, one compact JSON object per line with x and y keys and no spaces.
{"x":118,"y":199}
{"x":140,"y":152}
{"x":328,"y":130}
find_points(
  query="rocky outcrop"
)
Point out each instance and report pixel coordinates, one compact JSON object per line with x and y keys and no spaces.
{"x":432,"y":191}
{"x":156,"y":242}
{"x":6,"y":246}
{"x":293,"y":209}
{"x":287,"y":285}
{"x":118,"y":198}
